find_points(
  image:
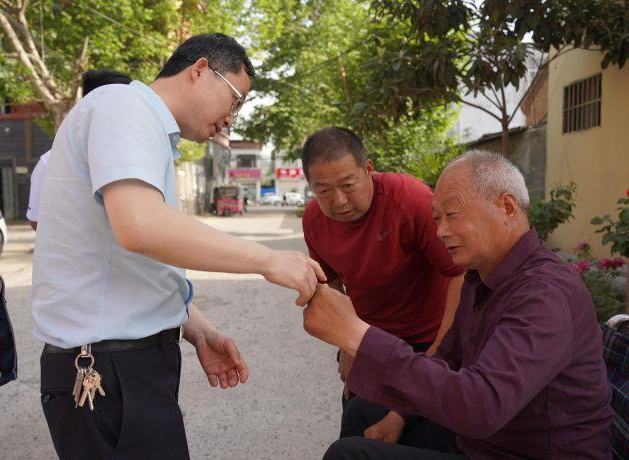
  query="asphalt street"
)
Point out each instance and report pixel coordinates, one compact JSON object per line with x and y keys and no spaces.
{"x":289,"y":409}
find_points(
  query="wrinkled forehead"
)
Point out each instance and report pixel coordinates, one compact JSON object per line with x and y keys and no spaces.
{"x":333,"y":167}
{"x":453,"y":187}
{"x":455,"y":178}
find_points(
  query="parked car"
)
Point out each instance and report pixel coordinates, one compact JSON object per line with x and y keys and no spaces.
{"x":294,"y":199}
{"x":271,"y":199}
{"x":3,"y":232}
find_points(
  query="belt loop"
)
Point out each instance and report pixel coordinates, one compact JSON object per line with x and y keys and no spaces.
{"x":163,"y":339}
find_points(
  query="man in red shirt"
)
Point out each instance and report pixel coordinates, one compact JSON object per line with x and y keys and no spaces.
{"x":374,"y":236}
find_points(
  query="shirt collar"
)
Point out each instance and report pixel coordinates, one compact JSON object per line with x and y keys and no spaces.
{"x":163,"y":112}
{"x":513,"y":260}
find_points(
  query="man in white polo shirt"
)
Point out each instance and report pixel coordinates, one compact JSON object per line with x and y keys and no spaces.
{"x":111,"y":250}
{"x":37,"y":177}
{"x":91,"y":79}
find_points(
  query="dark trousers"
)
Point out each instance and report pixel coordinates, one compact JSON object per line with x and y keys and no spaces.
{"x":8,"y":354}
{"x":138,"y":418}
{"x":422,"y":440}
{"x":417,"y":348}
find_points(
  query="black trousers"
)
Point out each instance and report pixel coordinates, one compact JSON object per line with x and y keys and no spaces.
{"x":138,"y":418}
{"x":417,"y":348}
{"x":8,"y":354}
{"x":422,"y":440}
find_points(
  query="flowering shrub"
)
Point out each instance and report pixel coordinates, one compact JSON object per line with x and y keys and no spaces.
{"x":598,"y":276}
{"x":616,"y":232}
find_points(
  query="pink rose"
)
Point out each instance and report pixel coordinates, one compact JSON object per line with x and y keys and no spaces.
{"x":611,"y":264}
{"x":581,"y":266}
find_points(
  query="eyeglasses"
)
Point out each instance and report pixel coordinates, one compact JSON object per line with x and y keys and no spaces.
{"x":239,"y":99}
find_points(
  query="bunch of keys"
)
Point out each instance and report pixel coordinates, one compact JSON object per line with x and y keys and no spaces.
{"x":87,"y":381}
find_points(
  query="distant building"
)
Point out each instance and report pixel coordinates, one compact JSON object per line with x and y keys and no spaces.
{"x":197,"y":179}
{"x":22,"y":142}
{"x":289,"y":176}
{"x":245,"y":167}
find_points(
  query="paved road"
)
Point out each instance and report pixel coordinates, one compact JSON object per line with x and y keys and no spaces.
{"x":290,"y":407}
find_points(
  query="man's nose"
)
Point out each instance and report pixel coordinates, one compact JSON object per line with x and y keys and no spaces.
{"x":339,"y":198}
{"x":443,"y":229}
{"x":228,"y":121}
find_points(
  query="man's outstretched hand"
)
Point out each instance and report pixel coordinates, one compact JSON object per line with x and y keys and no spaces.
{"x":294,"y":270}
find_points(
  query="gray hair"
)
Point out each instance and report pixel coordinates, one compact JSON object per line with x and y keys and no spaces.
{"x":493,"y":174}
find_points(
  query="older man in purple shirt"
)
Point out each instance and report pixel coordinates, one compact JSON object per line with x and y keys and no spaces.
{"x":520,"y":374}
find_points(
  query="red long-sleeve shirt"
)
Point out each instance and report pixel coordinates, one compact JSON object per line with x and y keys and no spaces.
{"x":393,"y":266}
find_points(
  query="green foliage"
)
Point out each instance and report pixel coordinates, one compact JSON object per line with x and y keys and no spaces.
{"x":317,"y":63}
{"x":401,"y":143}
{"x":191,"y":151}
{"x":454,"y":44}
{"x":134,"y":37}
{"x":598,"y":276}
{"x":616,"y":231}
{"x":606,"y":302}
{"x":429,"y":166}
{"x":546,"y":216}
{"x":417,"y":143}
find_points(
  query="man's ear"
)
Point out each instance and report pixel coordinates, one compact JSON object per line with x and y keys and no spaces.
{"x":510,"y":206}
{"x":369,"y":167}
{"x":198,"y":68}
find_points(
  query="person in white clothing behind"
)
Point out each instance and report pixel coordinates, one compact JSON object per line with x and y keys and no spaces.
{"x":92,"y":79}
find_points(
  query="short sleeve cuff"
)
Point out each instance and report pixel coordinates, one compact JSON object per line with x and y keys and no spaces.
{"x":188,"y":300}
{"x":117,"y":175}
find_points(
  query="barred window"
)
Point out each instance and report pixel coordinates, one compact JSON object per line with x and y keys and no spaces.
{"x":582,"y":104}
{"x":246,"y":161}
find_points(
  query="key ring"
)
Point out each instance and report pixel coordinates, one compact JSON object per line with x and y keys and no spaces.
{"x":81,"y":368}
{"x":86,"y":352}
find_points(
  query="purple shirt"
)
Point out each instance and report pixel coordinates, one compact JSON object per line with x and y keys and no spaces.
{"x":521,"y":372}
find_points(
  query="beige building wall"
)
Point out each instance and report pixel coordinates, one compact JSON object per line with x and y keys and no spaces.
{"x":596,"y":159}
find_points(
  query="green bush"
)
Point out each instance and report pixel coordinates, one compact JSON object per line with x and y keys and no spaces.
{"x":616,"y":232}
{"x":546,"y":216}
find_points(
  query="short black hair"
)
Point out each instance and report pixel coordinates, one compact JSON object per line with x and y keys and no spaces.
{"x":332,"y":143}
{"x":223,"y":53}
{"x":92,"y":79}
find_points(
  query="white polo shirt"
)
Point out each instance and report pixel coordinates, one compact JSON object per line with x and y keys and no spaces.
{"x":37,"y":177}
{"x":86,"y":287}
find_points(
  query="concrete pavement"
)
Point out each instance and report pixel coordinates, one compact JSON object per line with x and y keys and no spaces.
{"x":289,"y":409}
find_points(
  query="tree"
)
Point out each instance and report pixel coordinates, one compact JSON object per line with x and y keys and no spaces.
{"x":317,"y":59}
{"x":458,"y":47}
{"x":45,"y":47}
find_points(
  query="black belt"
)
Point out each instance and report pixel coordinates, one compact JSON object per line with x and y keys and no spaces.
{"x":160,"y":339}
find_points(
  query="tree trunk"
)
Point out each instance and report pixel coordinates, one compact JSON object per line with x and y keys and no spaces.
{"x":506,"y":145}
{"x":59,"y":112}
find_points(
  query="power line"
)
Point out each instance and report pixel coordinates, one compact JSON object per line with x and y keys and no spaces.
{"x":118,"y":23}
